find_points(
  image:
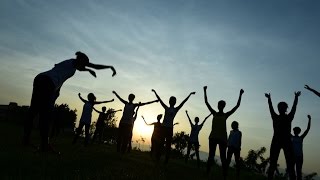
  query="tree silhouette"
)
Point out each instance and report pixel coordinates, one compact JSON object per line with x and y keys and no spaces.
{"x":310,"y":176}
{"x":255,"y":161}
{"x":180,"y":143}
{"x":110,"y":132}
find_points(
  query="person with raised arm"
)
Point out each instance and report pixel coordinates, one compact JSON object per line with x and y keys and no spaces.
{"x":167,"y":124}
{"x":126,"y":121}
{"x":100,"y":124}
{"x":156,"y":136}
{"x":312,"y":90}
{"x":218,"y":135}
{"x":194,"y":137}
{"x":46,"y":89}
{"x":298,"y":147}
{"x":85,"y":120}
{"x":282,"y":135}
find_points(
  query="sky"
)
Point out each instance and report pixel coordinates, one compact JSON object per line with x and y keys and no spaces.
{"x":174,"y":47}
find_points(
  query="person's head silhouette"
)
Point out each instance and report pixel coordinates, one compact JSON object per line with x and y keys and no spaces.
{"x":82,"y":60}
{"x":196,"y":120}
{"x":282,"y":107}
{"x":234,"y":125}
{"x":131,"y":97}
{"x":159,"y":117}
{"x":91,"y":97}
{"x":296,"y":131}
{"x":221,"y":105}
{"x":104,"y":109}
{"x":172,"y":101}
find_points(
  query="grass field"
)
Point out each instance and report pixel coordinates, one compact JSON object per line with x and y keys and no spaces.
{"x":92,"y":162}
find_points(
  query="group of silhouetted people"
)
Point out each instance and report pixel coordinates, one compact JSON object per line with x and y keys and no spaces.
{"x":47,"y":85}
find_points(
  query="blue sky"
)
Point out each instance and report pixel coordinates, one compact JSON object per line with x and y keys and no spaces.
{"x":174,"y":47}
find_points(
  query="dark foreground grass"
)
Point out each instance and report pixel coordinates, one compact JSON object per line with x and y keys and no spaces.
{"x":92,"y":162}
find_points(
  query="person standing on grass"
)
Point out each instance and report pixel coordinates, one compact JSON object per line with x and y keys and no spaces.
{"x":46,"y":89}
{"x":218,"y":135}
{"x":234,"y":146}
{"x":298,"y":147}
{"x":167,"y":124}
{"x":282,"y":135}
{"x":85,"y":120}
{"x":194,"y":139}
{"x":126,"y":121}
{"x":100,"y":124}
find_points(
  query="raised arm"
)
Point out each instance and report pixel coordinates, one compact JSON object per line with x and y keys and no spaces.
{"x":146,"y":122}
{"x":100,"y":102}
{"x":295,"y":103}
{"x":122,"y":100}
{"x":83,"y":100}
{"x":185,"y":100}
{"x":206,"y":101}
{"x":205,"y":119}
{"x":116,"y":111}
{"x":150,"y":102}
{"x":237,"y":105}
{"x":312,"y":90}
{"x":308,"y":128}
{"x":96,"y":110}
{"x":189,"y":118}
{"x":161,"y":102}
{"x":98,"y":66}
{"x":270,"y":104}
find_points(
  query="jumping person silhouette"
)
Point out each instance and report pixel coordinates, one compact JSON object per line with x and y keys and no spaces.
{"x":133,"y":120}
{"x":297,"y":147}
{"x":218,"y":135}
{"x":156,"y":137}
{"x":100,"y":124}
{"x":126,"y":121}
{"x":282,"y":135}
{"x":85,"y":120}
{"x":234,"y":146}
{"x":167,"y":124}
{"x":312,"y":90}
{"x":46,"y":88}
{"x":194,"y":139}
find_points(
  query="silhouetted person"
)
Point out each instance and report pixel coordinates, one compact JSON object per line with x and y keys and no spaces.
{"x":156,"y":143}
{"x":85,"y":120}
{"x":234,"y":146}
{"x":282,"y":135}
{"x":167,"y":124}
{"x":126,"y":121}
{"x":312,"y":90}
{"x":46,"y":88}
{"x":298,"y":147}
{"x":194,"y":139}
{"x":100,"y":124}
{"x":133,"y":120}
{"x":218,"y":135}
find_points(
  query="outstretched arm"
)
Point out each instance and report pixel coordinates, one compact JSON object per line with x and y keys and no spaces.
{"x":116,"y":111}
{"x":96,"y":110}
{"x":312,"y":90}
{"x":122,"y":100}
{"x":136,"y":113}
{"x":295,"y":103}
{"x":146,"y":122}
{"x":161,"y":102}
{"x":189,"y":118}
{"x":206,"y":101}
{"x":83,"y":100}
{"x":185,"y":100}
{"x":150,"y":102}
{"x":308,"y":128}
{"x":100,"y":102}
{"x":238,"y":104}
{"x":205,"y":119}
{"x":98,"y":66}
{"x":270,"y":104}
{"x":176,"y":123}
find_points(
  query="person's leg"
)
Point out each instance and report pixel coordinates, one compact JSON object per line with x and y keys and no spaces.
{"x":126,"y":137}
{"x":78,"y":132}
{"x":130,"y":141}
{"x":223,"y":149}
{"x":196,"y":147}
{"x":230,"y":152}
{"x":299,"y":163}
{"x":120,"y":137}
{"x":237,"y":159}
{"x":96,"y":132}
{"x":212,"y":153}
{"x":289,"y":155}
{"x":274,"y":155}
{"x":188,"y":151}
{"x":168,"y":143}
{"x":87,"y":134}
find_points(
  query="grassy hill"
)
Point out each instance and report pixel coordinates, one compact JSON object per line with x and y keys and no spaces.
{"x":93,"y":162}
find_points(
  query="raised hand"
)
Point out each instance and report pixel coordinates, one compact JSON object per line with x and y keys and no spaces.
{"x":153,"y":90}
{"x":205,"y":88}
{"x":92,"y":73}
{"x":309,"y":117}
{"x":307,"y":87}
{"x":267,"y":95}
{"x":114,"y":92}
{"x":241,"y":91}
{"x":114,"y":71}
{"x":192,"y":93}
{"x":79,"y":94}
{"x":297,"y":94}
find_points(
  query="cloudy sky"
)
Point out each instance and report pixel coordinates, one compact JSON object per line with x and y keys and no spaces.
{"x":174,"y":47}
